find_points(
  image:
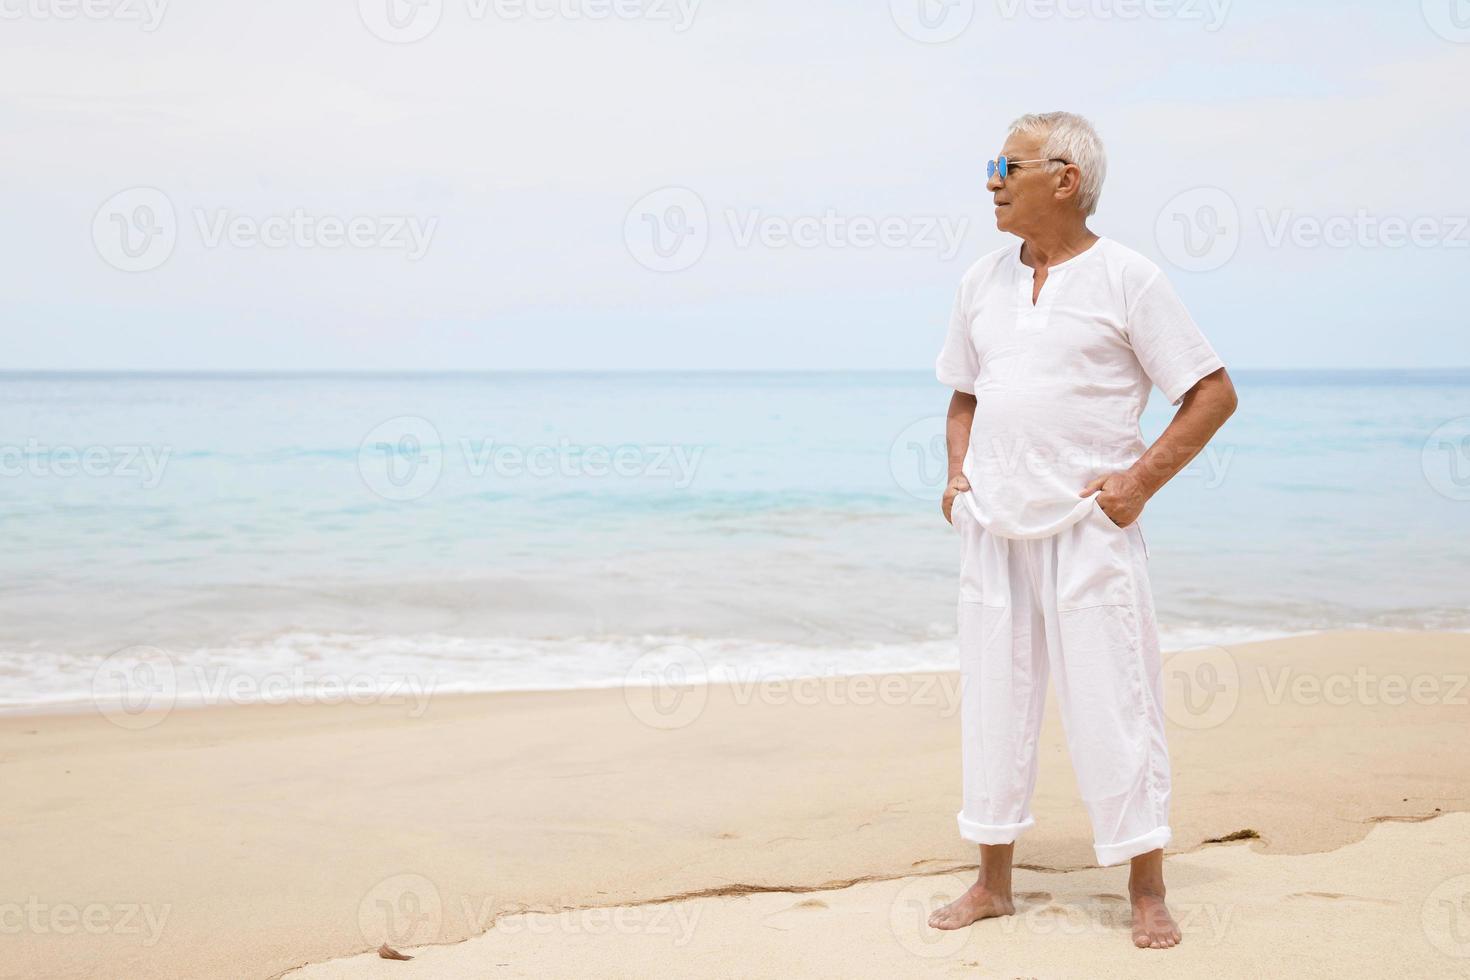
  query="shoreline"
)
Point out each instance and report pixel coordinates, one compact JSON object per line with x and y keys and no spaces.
{"x":782,"y":663}
{"x":273,"y":836}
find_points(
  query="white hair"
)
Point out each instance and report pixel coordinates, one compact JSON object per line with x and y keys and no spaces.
{"x":1069,"y":137}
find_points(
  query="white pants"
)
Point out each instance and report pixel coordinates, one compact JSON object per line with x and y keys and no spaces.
{"x":1076,"y":604}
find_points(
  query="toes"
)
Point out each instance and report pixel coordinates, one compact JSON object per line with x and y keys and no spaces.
{"x":1144,"y":940}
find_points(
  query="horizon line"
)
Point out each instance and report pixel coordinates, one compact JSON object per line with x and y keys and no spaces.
{"x":14,"y":373}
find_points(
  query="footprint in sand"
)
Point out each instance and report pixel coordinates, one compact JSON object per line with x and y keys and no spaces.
{"x":1109,"y":897}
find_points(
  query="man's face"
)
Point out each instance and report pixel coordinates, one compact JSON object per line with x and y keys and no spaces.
{"x":1025,"y":197}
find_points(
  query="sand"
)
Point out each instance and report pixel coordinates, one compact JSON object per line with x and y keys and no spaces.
{"x":785,"y":830}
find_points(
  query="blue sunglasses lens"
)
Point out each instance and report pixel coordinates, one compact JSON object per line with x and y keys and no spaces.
{"x":993,"y":167}
{"x":1004,"y":167}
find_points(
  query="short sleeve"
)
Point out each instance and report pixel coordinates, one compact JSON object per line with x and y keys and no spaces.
{"x":1174,"y":353}
{"x":958,"y":365}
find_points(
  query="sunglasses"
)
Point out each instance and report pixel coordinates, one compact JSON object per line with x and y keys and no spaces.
{"x":1002,"y":166}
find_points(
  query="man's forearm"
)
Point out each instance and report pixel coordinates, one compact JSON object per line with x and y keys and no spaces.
{"x":1203,"y":410}
{"x":957,"y":431}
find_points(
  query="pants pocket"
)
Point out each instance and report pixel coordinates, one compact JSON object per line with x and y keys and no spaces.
{"x":983,"y":560}
{"x":1093,"y":563}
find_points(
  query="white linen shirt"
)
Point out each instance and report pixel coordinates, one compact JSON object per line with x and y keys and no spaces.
{"x":1059,"y":385}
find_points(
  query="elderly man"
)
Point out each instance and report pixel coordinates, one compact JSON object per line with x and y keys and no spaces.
{"x":1052,"y":350}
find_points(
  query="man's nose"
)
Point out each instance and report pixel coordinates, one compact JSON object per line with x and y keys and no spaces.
{"x":994,"y":183}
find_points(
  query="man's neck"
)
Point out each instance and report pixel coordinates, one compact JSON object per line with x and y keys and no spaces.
{"x":1055,"y":246}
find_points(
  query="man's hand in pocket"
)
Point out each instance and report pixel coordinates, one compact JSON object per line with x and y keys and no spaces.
{"x":956,"y":487}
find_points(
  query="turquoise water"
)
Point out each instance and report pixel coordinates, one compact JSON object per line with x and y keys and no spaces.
{"x":541,"y":530}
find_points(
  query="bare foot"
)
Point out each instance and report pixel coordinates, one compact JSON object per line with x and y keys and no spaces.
{"x":1153,"y":926}
{"x":976,"y":904}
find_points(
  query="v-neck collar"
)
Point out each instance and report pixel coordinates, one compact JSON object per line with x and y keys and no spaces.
{"x":1027,"y":275}
{"x":1066,"y":264}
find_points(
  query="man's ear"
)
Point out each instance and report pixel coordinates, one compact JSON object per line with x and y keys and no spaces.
{"x":1069,"y":184}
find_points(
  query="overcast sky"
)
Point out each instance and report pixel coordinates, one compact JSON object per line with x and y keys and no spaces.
{"x":473,"y":184}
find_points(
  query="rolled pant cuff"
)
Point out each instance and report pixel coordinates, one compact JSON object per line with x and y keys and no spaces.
{"x":1129,"y":849}
{"x":992,"y":833}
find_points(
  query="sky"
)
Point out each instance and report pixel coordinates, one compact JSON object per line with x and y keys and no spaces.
{"x":677,"y":184}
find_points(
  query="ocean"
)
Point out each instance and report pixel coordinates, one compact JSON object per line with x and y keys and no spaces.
{"x":279,"y":536}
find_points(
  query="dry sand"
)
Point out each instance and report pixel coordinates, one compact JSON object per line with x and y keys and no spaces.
{"x":799,"y":829}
